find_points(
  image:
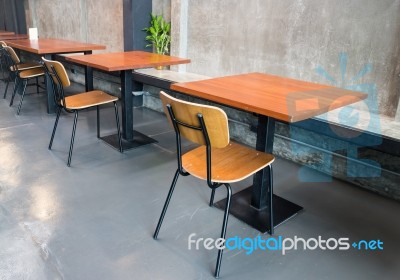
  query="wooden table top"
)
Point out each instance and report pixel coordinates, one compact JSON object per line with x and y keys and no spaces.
{"x":126,"y":60}
{"x":49,"y":46}
{"x":277,"y":97}
{"x":3,"y":32}
{"x":13,"y":37}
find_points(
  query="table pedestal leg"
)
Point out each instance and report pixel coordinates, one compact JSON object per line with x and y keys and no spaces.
{"x":130,"y":138}
{"x":49,"y":90}
{"x":127,"y":104}
{"x":251,"y":204}
{"x":88,"y":75}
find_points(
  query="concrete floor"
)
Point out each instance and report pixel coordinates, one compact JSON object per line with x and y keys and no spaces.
{"x":95,"y":220}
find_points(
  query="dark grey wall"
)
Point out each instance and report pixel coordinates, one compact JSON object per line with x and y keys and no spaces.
{"x":12,"y":16}
{"x":136,"y":18}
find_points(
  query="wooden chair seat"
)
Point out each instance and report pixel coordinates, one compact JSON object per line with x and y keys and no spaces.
{"x":88,"y":99}
{"x":25,"y":66}
{"x":31,"y":73}
{"x":230,"y":164}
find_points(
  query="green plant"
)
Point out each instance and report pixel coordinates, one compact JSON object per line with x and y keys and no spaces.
{"x":159,"y":34}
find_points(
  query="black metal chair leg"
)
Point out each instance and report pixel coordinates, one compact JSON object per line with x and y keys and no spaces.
{"x":22,"y":96}
{"x":72,"y":139}
{"x":270,"y":202}
{"x":5,"y":92}
{"x":118,"y":127}
{"x":212,"y":197}
{"x":1,"y":66}
{"x":37,"y":85}
{"x":98,"y":121}
{"x":171,"y":190}
{"x":16,"y":86}
{"x":55,"y":128}
{"x":224,"y":226}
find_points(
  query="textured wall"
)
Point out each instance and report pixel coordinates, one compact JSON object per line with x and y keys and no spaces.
{"x":92,"y":21}
{"x":294,"y":38}
{"x":162,"y":7}
{"x":105,"y":23}
{"x":291,"y":37}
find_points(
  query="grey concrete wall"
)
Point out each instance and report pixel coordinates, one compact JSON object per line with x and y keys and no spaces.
{"x":92,"y":21}
{"x":397,"y":72}
{"x":294,"y":38}
{"x":291,"y":38}
{"x":162,"y":7}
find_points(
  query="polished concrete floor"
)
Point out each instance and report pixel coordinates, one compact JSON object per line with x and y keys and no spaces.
{"x":95,"y":220}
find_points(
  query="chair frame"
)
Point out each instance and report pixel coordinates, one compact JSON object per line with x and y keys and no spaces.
{"x":180,"y":171}
{"x":213,"y":185}
{"x":59,"y":100}
{"x":12,"y":76}
{"x":15,"y":75}
{"x":3,"y":61}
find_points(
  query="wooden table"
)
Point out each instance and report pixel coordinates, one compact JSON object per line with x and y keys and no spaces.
{"x":49,"y":48}
{"x":271,"y":98}
{"x":126,"y":62}
{"x":13,"y":37}
{"x":3,"y":32}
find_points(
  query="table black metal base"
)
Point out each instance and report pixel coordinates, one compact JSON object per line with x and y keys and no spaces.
{"x":259,"y":219}
{"x":139,"y":139}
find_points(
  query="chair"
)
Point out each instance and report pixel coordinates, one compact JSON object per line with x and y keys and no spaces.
{"x":216,"y":160}
{"x":14,"y":66}
{"x":2,"y":61}
{"x":75,"y":103}
{"x":4,"y":64}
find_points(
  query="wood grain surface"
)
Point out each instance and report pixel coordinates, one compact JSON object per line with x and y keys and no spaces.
{"x":282,"y":98}
{"x":53,"y":46}
{"x":126,"y":60}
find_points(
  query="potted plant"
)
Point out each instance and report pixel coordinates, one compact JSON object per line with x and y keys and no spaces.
{"x":159,"y":34}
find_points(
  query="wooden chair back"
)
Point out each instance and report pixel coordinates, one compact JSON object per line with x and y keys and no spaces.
{"x":215,"y":120}
{"x":9,"y":58}
{"x":12,"y":54}
{"x":59,"y":79}
{"x":56,"y":69}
